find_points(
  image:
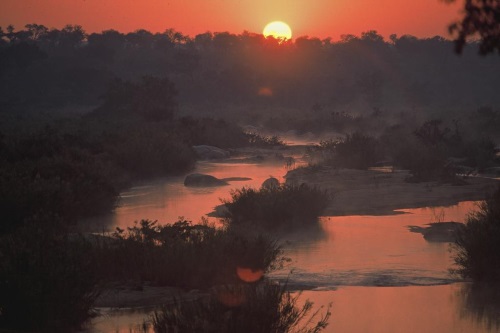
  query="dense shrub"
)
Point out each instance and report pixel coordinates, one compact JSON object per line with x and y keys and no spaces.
{"x":151,"y":98}
{"x":209,"y":131}
{"x":261,"y":308}
{"x":182,"y":254}
{"x":355,"y":151}
{"x":477,"y":248}
{"x":146,"y":152}
{"x":276,"y":206}
{"x":257,"y":140}
{"x":43,"y":174}
{"x":47,"y":279}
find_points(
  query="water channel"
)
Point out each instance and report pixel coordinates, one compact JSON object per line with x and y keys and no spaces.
{"x":377,"y":275}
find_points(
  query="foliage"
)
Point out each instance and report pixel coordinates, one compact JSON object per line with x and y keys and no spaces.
{"x":356,"y":151}
{"x":434,"y":152}
{"x":47,"y":279}
{"x":148,"y":150}
{"x":264,"y":307}
{"x":210,"y":131}
{"x":43,"y":173}
{"x":152,"y":99}
{"x":431,"y":132}
{"x":477,"y":248}
{"x":482,"y":18}
{"x":218,"y":73}
{"x":182,"y":254}
{"x":257,"y":140}
{"x":276,"y":207}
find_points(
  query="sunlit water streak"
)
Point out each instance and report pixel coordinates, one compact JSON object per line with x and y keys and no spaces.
{"x":167,"y":199}
{"x":373,"y":251}
{"x":378,"y":275}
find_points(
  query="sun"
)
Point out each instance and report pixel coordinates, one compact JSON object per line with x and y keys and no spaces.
{"x":278,"y":29}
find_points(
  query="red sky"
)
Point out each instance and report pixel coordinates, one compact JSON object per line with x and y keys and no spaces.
{"x":319,"y":18}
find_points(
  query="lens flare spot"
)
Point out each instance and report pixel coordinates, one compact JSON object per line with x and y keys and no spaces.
{"x":249,"y":275}
{"x":265,"y":91}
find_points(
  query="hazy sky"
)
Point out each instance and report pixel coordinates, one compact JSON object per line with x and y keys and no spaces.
{"x":320,"y":18}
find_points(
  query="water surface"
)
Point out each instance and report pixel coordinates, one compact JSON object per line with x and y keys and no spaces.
{"x":379,"y":276}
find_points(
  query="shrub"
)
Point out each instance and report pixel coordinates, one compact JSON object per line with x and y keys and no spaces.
{"x":264,"y":307}
{"x":150,"y":151}
{"x":152,"y":99}
{"x":276,"y":207}
{"x":356,"y":151}
{"x":70,"y":185}
{"x":182,"y":254}
{"x":256,"y":140}
{"x":477,"y":248}
{"x":47,"y":279}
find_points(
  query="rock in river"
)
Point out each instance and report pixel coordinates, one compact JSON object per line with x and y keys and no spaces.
{"x":210,"y":152}
{"x":202,"y":180}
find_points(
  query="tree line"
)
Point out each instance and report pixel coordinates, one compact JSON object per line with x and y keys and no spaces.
{"x":55,"y":67}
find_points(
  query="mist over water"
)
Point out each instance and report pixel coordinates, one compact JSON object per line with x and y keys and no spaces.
{"x":379,"y":276}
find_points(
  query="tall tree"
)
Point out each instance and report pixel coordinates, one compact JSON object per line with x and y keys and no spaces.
{"x":481,"y":19}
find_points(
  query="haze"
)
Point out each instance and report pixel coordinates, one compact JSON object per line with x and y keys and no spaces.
{"x":319,"y":18}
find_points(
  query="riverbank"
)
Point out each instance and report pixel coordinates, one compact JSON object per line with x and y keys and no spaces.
{"x":372,"y":192}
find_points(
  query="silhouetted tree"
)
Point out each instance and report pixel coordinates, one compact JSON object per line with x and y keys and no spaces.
{"x":72,"y":36}
{"x":152,"y":98}
{"x":482,"y":18}
{"x":36,"y":31}
{"x":431,"y":133}
{"x":20,"y":55}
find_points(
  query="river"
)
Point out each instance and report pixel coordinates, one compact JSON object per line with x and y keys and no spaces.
{"x":377,"y":275}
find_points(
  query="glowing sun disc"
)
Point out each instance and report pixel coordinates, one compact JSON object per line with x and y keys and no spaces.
{"x":277,"y":29}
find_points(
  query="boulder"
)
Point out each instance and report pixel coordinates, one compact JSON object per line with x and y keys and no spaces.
{"x":210,"y":152}
{"x":202,"y":180}
{"x":270,"y":183}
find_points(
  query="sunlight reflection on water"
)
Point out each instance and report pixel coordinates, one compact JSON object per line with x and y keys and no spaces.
{"x":345,"y":260}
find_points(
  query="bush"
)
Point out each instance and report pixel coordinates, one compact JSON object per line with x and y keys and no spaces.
{"x":264,"y":307}
{"x":150,"y":151}
{"x":183,"y":255}
{"x":47,"y":280}
{"x":209,"y":131}
{"x":477,"y":248}
{"x":276,"y":207}
{"x":256,"y":140}
{"x":152,"y":99}
{"x":355,"y":151}
{"x":70,"y":184}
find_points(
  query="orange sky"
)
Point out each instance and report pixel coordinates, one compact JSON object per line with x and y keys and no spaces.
{"x":320,"y":18}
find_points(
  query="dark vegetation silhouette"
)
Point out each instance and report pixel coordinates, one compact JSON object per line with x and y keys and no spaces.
{"x":182,"y":254}
{"x":215,"y":73}
{"x":481,"y":303}
{"x":267,"y":307}
{"x":477,"y":252}
{"x":47,"y":279}
{"x":57,"y":276}
{"x":481,"y":20}
{"x":436,"y":150}
{"x":276,"y":207}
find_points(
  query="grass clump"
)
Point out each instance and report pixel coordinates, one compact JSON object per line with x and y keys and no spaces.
{"x":263,"y":307}
{"x":183,"y":255}
{"x":263,"y":141}
{"x":477,"y":247}
{"x":276,"y":206}
{"x":355,"y":151}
